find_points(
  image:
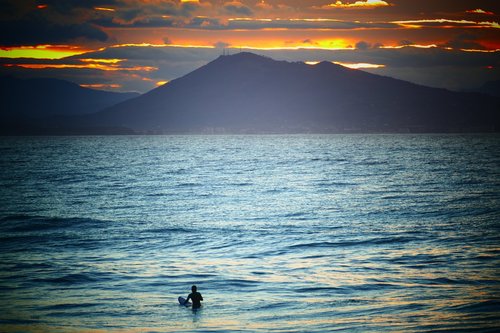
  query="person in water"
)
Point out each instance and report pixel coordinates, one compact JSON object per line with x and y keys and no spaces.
{"x":196,"y":297}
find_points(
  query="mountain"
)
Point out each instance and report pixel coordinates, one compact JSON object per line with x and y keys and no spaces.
{"x":27,"y":103}
{"x":247,"y":93}
{"x":491,"y":88}
{"x":250,"y":93}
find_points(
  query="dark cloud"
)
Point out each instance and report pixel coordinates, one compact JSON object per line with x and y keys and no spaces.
{"x":306,"y":24}
{"x":465,"y":41}
{"x":67,"y":7}
{"x":222,"y":45}
{"x":143,"y":22}
{"x":405,"y":42}
{"x":362,"y":45}
{"x":213,"y":23}
{"x":204,"y":22}
{"x":210,"y":23}
{"x":22,"y":23}
{"x":237,"y":8}
{"x":40,"y":31}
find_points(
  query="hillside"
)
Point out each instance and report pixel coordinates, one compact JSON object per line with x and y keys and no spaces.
{"x":250,"y":93}
{"x":247,"y":93}
{"x":30,"y":102}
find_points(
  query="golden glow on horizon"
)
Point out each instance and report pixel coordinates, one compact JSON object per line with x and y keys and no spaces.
{"x":251,"y":19}
{"x":334,"y":44}
{"x":160,"y":83}
{"x":320,"y":45}
{"x":359,"y":65}
{"x":314,"y":20}
{"x":105,"y":9}
{"x":274,"y":44}
{"x":98,"y":66}
{"x":271,"y":48}
{"x":415,"y":23}
{"x":101,"y":86}
{"x":358,"y":4}
{"x":104,"y":61}
{"x":41,"y":51}
{"x":482,"y":51}
{"x":41,"y":6}
{"x":162,"y":45}
{"x":479,"y":11}
{"x":308,"y":33}
{"x":411,"y":45}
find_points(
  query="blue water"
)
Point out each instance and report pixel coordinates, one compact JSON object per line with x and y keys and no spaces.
{"x":297,"y":233}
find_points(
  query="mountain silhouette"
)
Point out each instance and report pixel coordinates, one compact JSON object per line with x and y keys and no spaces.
{"x":251,"y":93}
{"x":491,"y":88}
{"x":28,"y":103}
{"x":248,"y":93}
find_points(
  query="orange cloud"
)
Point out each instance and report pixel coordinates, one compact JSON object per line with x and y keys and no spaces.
{"x":460,"y":23}
{"x":102,"y":67}
{"x":42,"y":51}
{"x":418,"y":46}
{"x":358,"y":65}
{"x":479,"y":11}
{"x":104,"y":9}
{"x":358,"y":4}
{"x":104,"y":61}
{"x":101,"y":86}
{"x":162,"y":45}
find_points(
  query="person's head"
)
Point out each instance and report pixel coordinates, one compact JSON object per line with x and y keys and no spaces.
{"x":193,"y":289}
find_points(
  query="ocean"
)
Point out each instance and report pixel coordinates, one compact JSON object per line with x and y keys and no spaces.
{"x":297,"y":233}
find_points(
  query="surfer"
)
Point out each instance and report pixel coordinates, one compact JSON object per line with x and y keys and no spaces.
{"x":196,"y":297}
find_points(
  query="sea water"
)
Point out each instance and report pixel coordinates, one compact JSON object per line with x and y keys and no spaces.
{"x":300,"y":233}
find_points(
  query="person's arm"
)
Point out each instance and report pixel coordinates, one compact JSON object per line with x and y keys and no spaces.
{"x":187,"y":299}
{"x":201,"y":297}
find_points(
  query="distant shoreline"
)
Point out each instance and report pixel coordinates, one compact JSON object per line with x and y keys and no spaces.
{"x":129,"y":132}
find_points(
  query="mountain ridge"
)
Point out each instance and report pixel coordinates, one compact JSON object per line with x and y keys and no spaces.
{"x":251,"y":93}
{"x":28,"y":104}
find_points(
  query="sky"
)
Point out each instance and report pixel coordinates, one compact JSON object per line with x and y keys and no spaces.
{"x":137,"y":45}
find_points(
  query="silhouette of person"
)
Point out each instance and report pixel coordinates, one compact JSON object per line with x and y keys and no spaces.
{"x":196,"y":297}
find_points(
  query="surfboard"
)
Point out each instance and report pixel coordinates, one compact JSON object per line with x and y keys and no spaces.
{"x":182,"y":301}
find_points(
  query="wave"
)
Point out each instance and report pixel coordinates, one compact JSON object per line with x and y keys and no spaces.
{"x":77,"y":278}
{"x":442,"y":281}
{"x":310,"y":290}
{"x":239,"y":283}
{"x":168,"y":230}
{"x":372,"y":241}
{"x":188,"y":184}
{"x":297,"y":215}
{"x":68,"y":306}
{"x":272,"y":306}
{"x":483,"y":306}
{"x":27,"y":223}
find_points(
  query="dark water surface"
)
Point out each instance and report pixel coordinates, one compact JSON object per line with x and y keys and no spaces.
{"x":280,"y":233}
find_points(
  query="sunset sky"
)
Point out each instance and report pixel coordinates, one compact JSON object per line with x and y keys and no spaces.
{"x":133,"y":45}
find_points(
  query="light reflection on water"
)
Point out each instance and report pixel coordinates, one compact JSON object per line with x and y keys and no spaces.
{"x":281,"y":233}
